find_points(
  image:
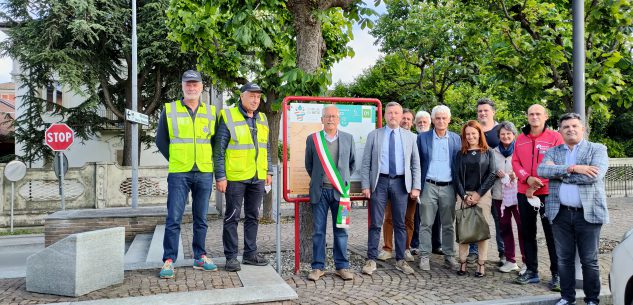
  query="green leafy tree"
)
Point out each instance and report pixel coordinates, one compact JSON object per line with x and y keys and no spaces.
{"x":435,"y":38}
{"x":287,"y":47}
{"x":529,"y":49}
{"x":86,"y":45}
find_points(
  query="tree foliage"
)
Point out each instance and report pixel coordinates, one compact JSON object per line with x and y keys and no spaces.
{"x":86,"y":46}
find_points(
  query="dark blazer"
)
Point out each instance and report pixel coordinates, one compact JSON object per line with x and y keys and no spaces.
{"x":346,"y":164}
{"x":487,"y":173}
{"x":425,"y":148}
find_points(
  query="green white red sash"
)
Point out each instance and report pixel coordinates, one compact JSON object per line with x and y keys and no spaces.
{"x":333,"y":175}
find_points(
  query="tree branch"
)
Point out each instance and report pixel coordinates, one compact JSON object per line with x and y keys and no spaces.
{"x":512,"y":41}
{"x":157,"y":94}
{"x":108,"y":98}
{"x":344,"y":4}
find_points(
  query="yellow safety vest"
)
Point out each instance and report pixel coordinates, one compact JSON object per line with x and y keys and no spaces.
{"x":190,"y":140}
{"x":240,"y":163}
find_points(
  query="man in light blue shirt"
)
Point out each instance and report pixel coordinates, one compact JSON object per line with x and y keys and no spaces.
{"x":390,"y":171}
{"x":437,"y":149}
{"x":576,"y":206}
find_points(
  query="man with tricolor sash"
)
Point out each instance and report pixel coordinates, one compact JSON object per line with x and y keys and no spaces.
{"x":183,"y":137}
{"x":242,"y":169}
{"x":330,"y":161}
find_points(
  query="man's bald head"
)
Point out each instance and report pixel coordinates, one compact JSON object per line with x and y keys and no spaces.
{"x":537,"y":116}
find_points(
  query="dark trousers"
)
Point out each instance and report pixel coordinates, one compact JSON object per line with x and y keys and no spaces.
{"x":178,"y":187}
{"x":528,"y":223}
{"x":394,"y":190}
{"x":436,"y":230}
{"x":236,"y":193}
{"x":572,"y":231}
{"x":505,"y":229}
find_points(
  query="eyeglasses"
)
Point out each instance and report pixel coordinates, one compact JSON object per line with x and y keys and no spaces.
{"x":330,"y":117}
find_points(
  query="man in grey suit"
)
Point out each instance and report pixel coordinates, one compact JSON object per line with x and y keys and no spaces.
{"x":438,"y":148}
{"x":576,"y":206}
{"x":324,"y":195}
{"x":390,"y":171}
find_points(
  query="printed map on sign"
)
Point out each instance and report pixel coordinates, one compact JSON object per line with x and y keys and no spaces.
{"x":305,"y":119}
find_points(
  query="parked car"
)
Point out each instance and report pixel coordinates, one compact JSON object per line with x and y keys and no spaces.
{"x":621,"y":275}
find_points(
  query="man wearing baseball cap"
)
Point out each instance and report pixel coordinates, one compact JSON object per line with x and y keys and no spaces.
{"x":242,"y":166}
{"x":185,"y":129}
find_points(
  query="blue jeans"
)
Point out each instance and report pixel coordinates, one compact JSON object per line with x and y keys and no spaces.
{"x":319,"y":213}
{"x":178,"y":187}
{"x":394,"y":190}
{"x":472,"y":249}
{"x":572,"y":231}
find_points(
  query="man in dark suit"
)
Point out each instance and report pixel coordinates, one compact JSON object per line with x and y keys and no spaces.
{"x":576,"y":206}
{"x":437,"y":149}
{"x":390,"y":171}
{"x":327,"y":152}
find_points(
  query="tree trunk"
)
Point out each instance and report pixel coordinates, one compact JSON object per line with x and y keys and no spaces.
{"x":127,"y":144}
{"x":310,"y":47}
{"x":310,"y":44}
{"x":273,"y":139}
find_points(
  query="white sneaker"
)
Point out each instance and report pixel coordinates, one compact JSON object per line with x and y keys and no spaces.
{"x":404,"y":267}
{"x":370,"y":267}
{"x":385,"y":255}
{"x":523,"y":269}
{"x":408,"y":256}
{"x":509,"y":267}
{"x":424,"y":263}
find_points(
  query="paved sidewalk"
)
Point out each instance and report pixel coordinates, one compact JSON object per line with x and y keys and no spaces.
{"x":386,"y":286}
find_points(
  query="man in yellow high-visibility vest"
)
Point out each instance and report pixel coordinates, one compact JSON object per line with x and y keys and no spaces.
{"x":242,"y":168}
{"x":184,"y":134}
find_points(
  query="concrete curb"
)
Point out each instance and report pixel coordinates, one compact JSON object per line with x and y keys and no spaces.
{"x":550,"y":299}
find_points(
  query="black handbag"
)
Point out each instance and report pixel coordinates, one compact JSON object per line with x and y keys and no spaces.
{"x":470,"y":225}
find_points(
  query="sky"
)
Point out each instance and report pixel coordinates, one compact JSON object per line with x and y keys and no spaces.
{"x":346,"y":70}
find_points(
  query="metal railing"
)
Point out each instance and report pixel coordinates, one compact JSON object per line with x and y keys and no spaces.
{"x":618,"y":181}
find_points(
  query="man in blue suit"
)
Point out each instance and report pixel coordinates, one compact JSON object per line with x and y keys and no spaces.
{"x":437,"y":149}
{"x":576,"y":206}
{"x":390,"y":171}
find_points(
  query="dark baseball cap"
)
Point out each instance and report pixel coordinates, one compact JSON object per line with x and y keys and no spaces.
{"x":191,"y":76}
{"x":251,"y":87}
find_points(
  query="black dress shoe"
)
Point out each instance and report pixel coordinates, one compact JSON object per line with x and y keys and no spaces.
{"x":438,"y":251}
{"x":257,"y":260}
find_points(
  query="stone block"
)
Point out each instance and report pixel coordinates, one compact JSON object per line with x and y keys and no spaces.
{"x":78,"y":264}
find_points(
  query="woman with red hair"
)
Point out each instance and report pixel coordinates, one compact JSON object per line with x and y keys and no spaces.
{"x":474,"y":173}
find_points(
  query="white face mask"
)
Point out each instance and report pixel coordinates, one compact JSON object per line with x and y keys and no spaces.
{"x":535,"y":202}
{"x":267,"y":188}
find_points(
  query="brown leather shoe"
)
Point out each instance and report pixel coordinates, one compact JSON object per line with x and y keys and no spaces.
{"x":315,"y":274}
{"x":345,"y":274}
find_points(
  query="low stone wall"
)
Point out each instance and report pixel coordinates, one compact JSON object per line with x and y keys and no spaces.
{"x":141,"y":220}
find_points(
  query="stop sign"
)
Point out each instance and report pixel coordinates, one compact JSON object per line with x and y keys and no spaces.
{"x":59,"y":137}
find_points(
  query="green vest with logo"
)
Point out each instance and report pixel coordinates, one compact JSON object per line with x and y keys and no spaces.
{"x":242,"y":159}
{"x":190,"y":140}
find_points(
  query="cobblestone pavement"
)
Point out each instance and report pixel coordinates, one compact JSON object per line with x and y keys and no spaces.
{"x":438,"y":286}
{"x":136,"y":283}
{"x":386,"y":286}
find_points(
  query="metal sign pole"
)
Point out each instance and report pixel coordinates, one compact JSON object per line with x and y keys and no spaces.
{"x":278,"y":222}
{"x":61,"y":178}
{"x":12,"y":195}
{"x":134,"y":126}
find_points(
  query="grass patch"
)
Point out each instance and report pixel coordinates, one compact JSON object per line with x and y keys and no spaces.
{"x":21,"y":232}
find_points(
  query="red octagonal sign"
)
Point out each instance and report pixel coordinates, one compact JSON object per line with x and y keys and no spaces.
{"x":59,"y":137}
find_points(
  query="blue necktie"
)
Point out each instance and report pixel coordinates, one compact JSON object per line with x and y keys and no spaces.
{"x":392,"y":154}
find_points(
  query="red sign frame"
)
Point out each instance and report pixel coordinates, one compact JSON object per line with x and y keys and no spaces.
{"x":285,"y":188}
